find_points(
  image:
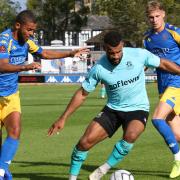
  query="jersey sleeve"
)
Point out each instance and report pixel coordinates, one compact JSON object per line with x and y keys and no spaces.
{"x":144,"y":43}
{"x":34,"y":48}
{"x":174,"y":31}
{"x":151,"y":60}
{"x":92,"y":79}
{"x":4,"y":47}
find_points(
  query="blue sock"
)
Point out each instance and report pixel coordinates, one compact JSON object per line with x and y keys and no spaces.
{"x":121,"y":149}
{"x":8,"y":151}
{"x":167,"y":133}
{"x":77,"y":158}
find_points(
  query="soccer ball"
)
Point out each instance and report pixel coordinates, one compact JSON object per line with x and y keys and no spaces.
{"x":121,"y":175}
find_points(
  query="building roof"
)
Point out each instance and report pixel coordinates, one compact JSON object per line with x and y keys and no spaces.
{"x":95,"y":22}
{"x":97,"y":39}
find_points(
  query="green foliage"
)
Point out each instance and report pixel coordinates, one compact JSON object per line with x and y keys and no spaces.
{"x":58,"y":16}
{"x":129,"y":15}
{"x":7,"y":13}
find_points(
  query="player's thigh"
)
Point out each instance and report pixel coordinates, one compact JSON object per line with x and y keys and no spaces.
{"x":13,"y":120}
{"x":10,"y":104}
{"x":11,"y":114}
{"x":169,"y":102}
{"x":162,"y":110}
{"x":12,"y":124}
{"x":93,"y":134}
{"x":133,"y":130}
{"x":174,"y":123}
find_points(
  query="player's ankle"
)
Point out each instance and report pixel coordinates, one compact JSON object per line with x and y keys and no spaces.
{"x":72,"y":177}
{"x":105,"y":168}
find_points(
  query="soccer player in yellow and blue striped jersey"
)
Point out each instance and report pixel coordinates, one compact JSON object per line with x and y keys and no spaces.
{"x":163,"y":40}
{"x":14,"y":47}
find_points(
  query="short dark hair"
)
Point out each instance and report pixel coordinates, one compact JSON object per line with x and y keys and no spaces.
{"x":25,"y":16}
{"x":112,"y":38}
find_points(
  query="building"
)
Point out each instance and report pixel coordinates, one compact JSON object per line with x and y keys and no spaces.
{"x":95,"y":25}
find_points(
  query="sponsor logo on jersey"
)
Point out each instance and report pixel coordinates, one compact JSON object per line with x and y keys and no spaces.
{"x":52,"y":79}
{"x":17,"y":60}
{"x":123,"y":83}
{"x":160,"y":51}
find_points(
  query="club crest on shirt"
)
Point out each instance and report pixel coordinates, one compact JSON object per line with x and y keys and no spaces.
{"x":14,"y":47}
{"x":165,"y":37}
{"x":149,"y":39}
{"x":129,"y":65}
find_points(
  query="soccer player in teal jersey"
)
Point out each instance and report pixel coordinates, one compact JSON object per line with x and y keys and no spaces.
{"x":163,"y":40}
{"x":122,"y":72}
{"x":14,"y":47}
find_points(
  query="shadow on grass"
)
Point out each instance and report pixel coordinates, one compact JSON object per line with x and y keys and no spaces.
{"x":89,"y":168}
{"x":58,"y":104}
{"x":37,"y":176}
{"x":153,"y":174}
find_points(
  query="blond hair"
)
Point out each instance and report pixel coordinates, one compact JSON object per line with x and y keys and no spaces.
{"x":154,"y":5}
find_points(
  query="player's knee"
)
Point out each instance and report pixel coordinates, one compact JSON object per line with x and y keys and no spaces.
{"x":14,"y":132}
{"x":177,"y":136}
{"x":85,"y":144}
{"x":131,"y":136}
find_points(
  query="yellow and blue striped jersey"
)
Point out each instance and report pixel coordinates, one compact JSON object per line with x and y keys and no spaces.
{"x":165,"y":44}
{"x":16,"y":54}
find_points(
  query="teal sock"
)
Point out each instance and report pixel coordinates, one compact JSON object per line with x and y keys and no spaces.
{"x":8,"y":151}
{"x":121,"y":149}
{"x":103,"y":92}
{"x":77,"y":158}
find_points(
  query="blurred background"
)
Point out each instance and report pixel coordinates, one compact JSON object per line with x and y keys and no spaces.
{"x":70,"y":24}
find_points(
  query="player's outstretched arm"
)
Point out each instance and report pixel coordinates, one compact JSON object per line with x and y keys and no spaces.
{"x":169,"y":66}
{"x":76,"y":101}
{"x":49,"y":54}
{"x":6,"y":67}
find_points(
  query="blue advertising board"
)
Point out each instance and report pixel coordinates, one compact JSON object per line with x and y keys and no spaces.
{"x":64,"y":79}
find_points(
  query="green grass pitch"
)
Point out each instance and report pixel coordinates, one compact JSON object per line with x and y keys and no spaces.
{"x":47,"y":158}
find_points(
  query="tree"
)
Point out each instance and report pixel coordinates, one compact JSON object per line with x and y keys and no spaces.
{"x":128,"y":16}
{"x":8,"y":12}
{"x":57,"y":16}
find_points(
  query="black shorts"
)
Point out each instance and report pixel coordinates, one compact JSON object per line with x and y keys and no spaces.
{"x":111,"y":119}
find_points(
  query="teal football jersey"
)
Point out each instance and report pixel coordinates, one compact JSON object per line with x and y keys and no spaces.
{"x":125,"y":83}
